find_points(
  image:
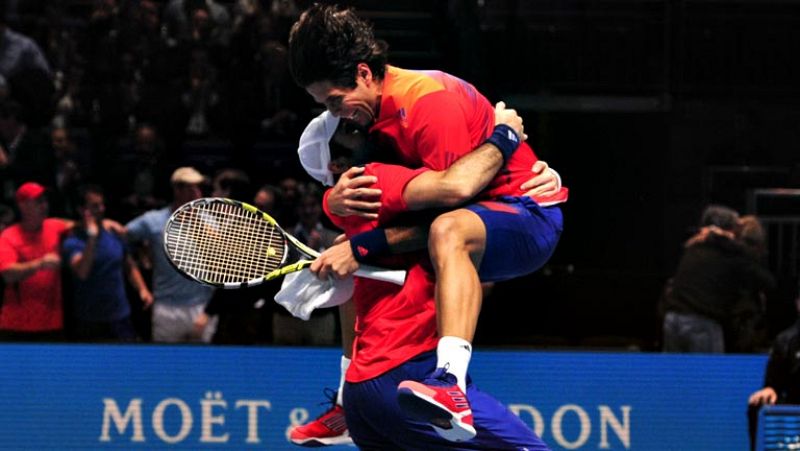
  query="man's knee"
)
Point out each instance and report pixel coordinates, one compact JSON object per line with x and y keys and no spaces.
{"x":446,"y":235}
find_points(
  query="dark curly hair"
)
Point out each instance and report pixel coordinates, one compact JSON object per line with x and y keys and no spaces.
{"x":327,"y":43}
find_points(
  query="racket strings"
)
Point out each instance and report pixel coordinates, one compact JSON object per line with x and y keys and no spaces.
{"x":223,"y":243}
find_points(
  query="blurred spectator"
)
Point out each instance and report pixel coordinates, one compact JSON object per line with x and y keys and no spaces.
{"x":70,"y":169}
{"x":177,"y":301}
{"x":98,"y":261}
{"x":711,"y":276}
{"x":309,"y":228}
{"x":320,"y":329}
{"x":201,"y":99}
{"x":265,"y":96}
{"x":139,"y":173}
{"x":265,"y":199}
{"x":277,"y":89}
{"x":197,"y":20}
{"x":24,"y":152}
{"x":782,"y":375}
{"x":747,"y":329}
{"x":27,"y":72}
{"x":18,"y":53}
{"x":6,"y":216}
{"x":30,"y":265}
{"x":243,"y":315}
{"x":285,"y":211}
{"x":6,"y":219}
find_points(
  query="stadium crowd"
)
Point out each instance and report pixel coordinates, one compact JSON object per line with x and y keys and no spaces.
{"x":112,"y":97}
{"x":119,"y":109}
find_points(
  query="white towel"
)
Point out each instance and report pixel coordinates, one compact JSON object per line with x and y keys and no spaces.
{"x":302,"y":292}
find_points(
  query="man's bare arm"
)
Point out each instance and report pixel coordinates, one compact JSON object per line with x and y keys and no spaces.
{"x":468,"y":175}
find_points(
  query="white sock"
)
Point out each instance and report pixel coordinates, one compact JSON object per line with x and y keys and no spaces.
{"x":454,"y":353}
{"x":343,"y":366}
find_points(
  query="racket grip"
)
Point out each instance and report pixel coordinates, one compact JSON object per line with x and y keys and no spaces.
{"x":396,"y":276}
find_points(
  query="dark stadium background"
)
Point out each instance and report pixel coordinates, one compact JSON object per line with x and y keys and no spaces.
{"x":649,"y":109}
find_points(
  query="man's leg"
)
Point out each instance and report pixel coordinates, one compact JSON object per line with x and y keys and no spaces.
{"x":378,"y":423}
{"x":330,"y":428}
{"x":503,"y":239}
{"x":456,"y":243}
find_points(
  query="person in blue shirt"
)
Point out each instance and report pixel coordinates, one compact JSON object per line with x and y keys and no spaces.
{"x":98,"y":260}
{"x":177,"y":301}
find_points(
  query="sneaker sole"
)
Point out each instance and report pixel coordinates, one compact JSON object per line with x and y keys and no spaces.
{"x":315,"y":442}
{"x":422,"y":407}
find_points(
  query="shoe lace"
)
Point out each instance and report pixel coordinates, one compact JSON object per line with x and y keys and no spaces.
{"x":331,"y":394}
{"x":442,"y":374}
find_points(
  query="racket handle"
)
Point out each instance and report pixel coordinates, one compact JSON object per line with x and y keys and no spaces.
{"x":396,"y":276}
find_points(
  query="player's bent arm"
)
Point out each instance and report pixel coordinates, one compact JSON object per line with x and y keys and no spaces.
{"x":459,"y":183}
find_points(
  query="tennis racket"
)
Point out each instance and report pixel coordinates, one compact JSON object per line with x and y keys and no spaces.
{"x":230,"y":244}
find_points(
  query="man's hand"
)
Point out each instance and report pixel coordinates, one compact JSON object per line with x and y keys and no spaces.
{"x":50,"y":260}
{"x":705,"y":233}
{"x":765,"y":396}
{"x":114,"y":227}
{"x":510,"y":118}
{"x":90,"y":223}
{"x":4,"y":158}
{"x":147,"y":298}
{"x":544,"y":182}
{"x":200,"y":323}
{"x":336,"y":261}
{"x":352,"y":197}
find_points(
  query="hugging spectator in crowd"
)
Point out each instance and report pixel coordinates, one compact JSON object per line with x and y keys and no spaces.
{"x":713,"y":274}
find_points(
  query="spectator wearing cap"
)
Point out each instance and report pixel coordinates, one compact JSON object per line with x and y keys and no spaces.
{"x":32,"y":307}
{"x":177,"y":301}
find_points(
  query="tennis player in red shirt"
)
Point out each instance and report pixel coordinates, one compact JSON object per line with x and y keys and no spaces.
{"x":427,"y":119}
{"x":395,"y":328}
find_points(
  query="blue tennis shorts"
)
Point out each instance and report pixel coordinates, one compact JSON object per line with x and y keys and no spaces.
{"x":520,"y":236}
{"x":376,"y":422}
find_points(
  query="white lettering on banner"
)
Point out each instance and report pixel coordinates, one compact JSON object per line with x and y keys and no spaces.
{"x":212,"y":414}
{"x":209,"y":419}
{"x":186,"y":420}
{"x":297,"y":417}
{"x":622,"y":429}
{"x":538,"y":422}
{"x":252,"y":416}
{"x":586,"y":426}
{"x":111,"y":413}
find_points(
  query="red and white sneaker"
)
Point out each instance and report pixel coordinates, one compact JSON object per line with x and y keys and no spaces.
{"x":328,"y":429}
{"x":438,"y":400}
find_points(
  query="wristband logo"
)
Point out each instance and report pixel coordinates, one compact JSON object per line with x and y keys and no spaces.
{"x":512,"y":136}
{"x":362,"y":251}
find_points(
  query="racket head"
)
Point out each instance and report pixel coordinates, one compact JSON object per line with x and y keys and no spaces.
{"x":225,"y":243}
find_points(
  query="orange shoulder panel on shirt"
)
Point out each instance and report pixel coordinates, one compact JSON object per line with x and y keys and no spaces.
{"x":407,"y":86}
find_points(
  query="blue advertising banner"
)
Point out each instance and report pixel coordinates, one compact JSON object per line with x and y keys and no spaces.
{"x":201,"y":397}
